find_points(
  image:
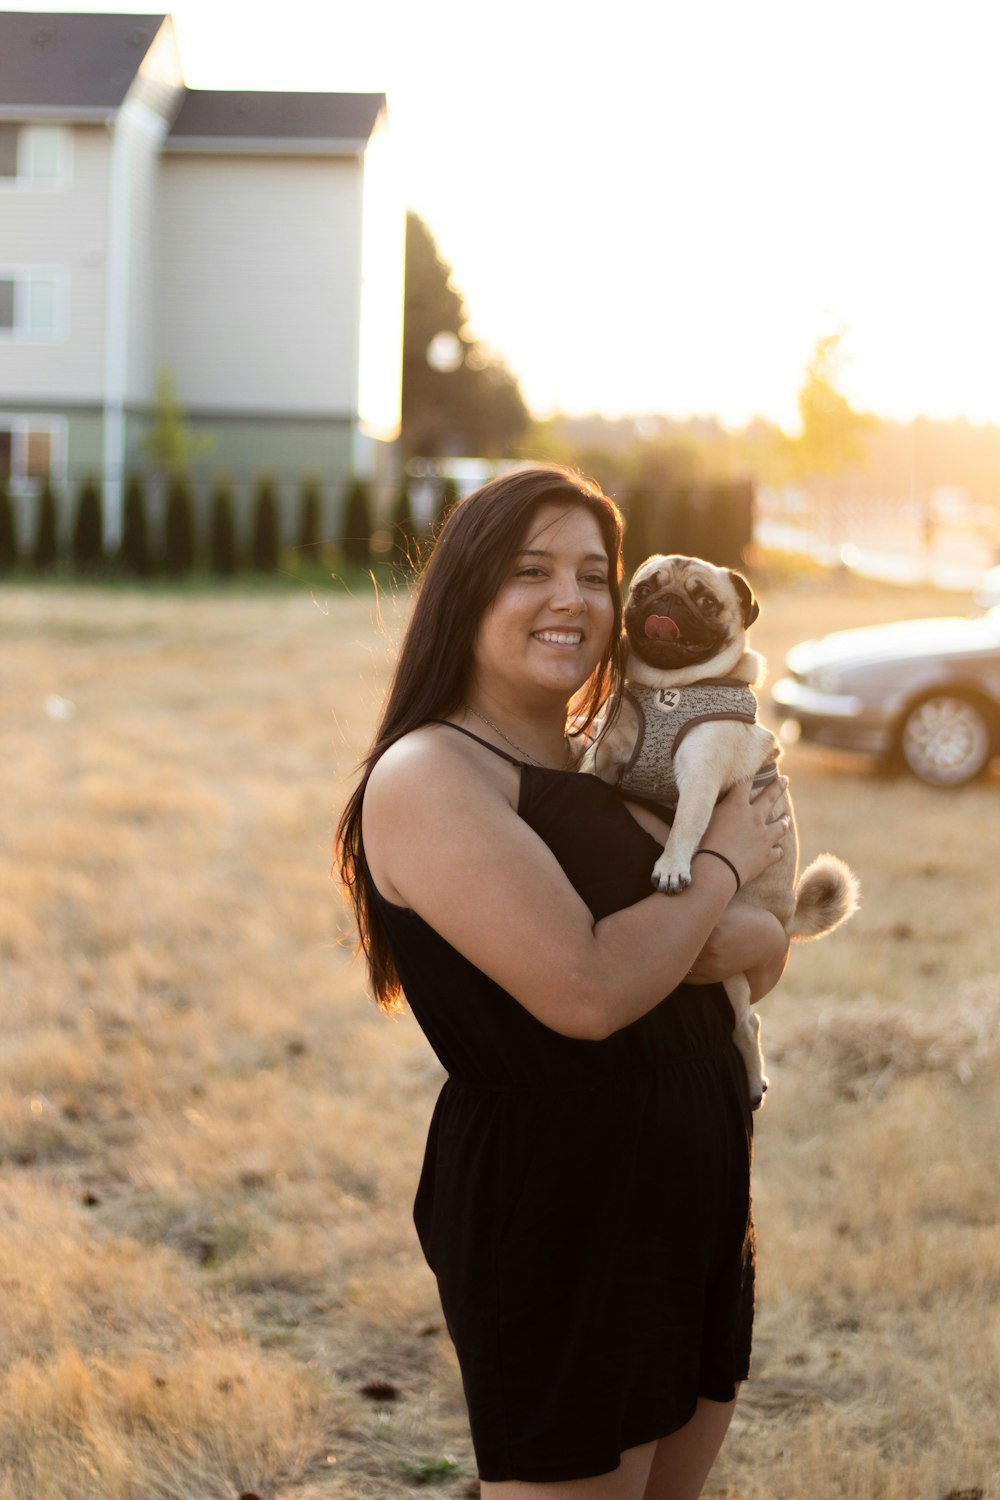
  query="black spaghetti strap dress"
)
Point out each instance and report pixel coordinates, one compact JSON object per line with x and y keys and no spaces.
{"x":584,"y":1206}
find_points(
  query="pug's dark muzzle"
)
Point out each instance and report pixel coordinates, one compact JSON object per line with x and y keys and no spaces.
{"x":666,"y":631}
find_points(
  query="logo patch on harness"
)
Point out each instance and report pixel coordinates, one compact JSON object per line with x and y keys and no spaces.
{"x":668,"y":699}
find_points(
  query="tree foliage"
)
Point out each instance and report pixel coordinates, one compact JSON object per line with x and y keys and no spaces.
{"x":832,"y":431}
{"x":46,"y":548}
{"x":405,"y":547}
{"x":223,"y":557}
{"x":264,"y":544}
{"x":476,"y":407}
{"x":171,"y":446}
{"x":178,"y":539}
{"x":356,"y":526}
{"x":310,"y":505}
{"x":8,"y":539}
{"x":134,"y":554}
{"x":88,"y":544}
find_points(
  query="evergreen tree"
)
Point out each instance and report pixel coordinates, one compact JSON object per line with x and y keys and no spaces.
{"x":357,"y":524}
{"x":458,"y":396}
{"x":88,"y":544}
{"x":8,"y":539}
{"x":640,"y":532}
{"x":405,"y":548}
{"x":178,"y":538}
{"x":134,"y":553}
{"x":170,"y":444}
{"x":46,"y":548}
{"x":832,"y":431}
{"x":223,"y":556}
{"x":309,"y":519}
{"x":447,"y":501}
{"x":264,"y":543}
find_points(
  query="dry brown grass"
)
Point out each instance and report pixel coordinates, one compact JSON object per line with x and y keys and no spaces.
{"x":208,"y":1279}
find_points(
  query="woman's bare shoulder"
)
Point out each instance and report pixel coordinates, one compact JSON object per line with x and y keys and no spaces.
{"x":431,"y":795}
{"x":435,"y":757}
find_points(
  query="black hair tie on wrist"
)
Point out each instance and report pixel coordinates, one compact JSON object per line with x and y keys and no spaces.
{"x":725,"y":861}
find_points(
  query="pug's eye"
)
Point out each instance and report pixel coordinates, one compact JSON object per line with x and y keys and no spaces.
{"x":708,"y":604}
{"x":640,"y":591}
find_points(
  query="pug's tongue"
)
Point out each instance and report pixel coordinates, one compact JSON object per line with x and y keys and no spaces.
{"x":662,"y":628}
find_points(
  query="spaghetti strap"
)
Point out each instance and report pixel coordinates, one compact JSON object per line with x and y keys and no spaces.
{"x":479,"y":740}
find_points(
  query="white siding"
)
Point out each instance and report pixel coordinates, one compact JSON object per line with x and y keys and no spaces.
{"x":259,"y":282}
{"x":65,"y":228}
{"x":144,"y":132}
{"x":151,"y":103}
{"x":382,"y":271}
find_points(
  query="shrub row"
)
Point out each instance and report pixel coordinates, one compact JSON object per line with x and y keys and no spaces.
{"x":710,"y":521}
{"x":178,"y":545}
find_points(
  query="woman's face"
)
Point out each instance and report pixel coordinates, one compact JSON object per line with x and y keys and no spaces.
{"x":550,"y":624}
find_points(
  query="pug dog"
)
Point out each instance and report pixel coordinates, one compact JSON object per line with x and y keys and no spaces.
{"x":686,"y":730}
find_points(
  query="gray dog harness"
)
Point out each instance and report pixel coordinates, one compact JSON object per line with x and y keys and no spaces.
{"x":665,"y":716}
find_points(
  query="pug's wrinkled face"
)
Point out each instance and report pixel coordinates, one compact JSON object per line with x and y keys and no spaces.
{"x":681,"y":611}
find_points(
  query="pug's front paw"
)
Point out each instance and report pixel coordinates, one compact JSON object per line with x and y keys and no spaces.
{"x":671,"y":876}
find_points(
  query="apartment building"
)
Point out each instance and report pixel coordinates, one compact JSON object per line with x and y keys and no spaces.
{"x":249,"y":243}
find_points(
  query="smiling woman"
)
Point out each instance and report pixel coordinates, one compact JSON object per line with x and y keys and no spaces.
{"x":584,"y":1202}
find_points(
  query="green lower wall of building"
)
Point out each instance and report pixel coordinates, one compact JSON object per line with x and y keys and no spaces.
{"x":287,"y":450}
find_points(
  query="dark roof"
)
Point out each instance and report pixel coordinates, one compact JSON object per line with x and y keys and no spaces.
{"x":239,"y":120}
{"x":78,"y":65}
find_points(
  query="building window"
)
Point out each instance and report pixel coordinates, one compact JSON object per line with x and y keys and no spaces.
{"x":34,"y":156}
{"x":32,"y":449}
{"x":38,"y":453}
{"x":33,"y":304}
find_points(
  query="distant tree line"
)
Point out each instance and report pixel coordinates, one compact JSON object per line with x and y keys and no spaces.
{"x":698,"y":519}
{"x":285,"y":532}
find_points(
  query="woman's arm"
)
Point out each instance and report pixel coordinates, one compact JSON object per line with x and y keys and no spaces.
{"x":746,"y":940}
{"x":442,"y":837}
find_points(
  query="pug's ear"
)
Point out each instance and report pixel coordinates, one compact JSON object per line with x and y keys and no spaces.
{"x":749,"y":607}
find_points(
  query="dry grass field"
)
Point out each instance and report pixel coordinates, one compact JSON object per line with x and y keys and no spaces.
{"x":209,"y":1284}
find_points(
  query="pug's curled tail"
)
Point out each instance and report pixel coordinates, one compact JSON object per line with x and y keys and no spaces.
{"x":826,"y":895}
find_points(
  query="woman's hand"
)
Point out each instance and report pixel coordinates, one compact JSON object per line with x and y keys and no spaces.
{"x":749,"y":833}
{"x":747,"y":940}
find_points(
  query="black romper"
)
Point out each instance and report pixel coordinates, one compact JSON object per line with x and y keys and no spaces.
{"x":585,"y":1206}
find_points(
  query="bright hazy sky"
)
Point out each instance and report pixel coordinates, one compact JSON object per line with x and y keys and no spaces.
{"x":658,"y":207}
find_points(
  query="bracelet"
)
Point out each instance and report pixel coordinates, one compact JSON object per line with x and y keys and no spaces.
{"x":725,"y":861}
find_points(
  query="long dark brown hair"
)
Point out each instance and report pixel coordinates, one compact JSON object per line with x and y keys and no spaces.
{"x":471,"y":558}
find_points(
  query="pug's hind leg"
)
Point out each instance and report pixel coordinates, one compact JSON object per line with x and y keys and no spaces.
{"x":746,"y":1037}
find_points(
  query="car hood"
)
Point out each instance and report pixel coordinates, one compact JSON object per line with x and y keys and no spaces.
{"x":905,"y":641}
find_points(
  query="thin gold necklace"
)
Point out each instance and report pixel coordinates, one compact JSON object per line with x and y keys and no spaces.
{"x":525,"y":754}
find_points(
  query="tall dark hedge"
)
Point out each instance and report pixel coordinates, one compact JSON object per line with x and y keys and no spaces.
{"x":223,"y":555}
{"x":88,"y":540}
{"x":447,"y":501}
{"x":134,"y":555}
{"x":45,"y":551}
{"x":641,"y":537}
{"x":8,"y":537}
{"x":264,"y":539}
{"x":405,"y":548}
{"x":309,"y":541}
{"x":356,"y":528}
{"x":178,"y":534}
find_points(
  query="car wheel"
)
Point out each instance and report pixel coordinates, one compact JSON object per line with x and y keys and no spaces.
{"x":946,"y":739}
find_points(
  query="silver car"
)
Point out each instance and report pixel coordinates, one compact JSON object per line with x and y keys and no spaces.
{"x":923,"y":692}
